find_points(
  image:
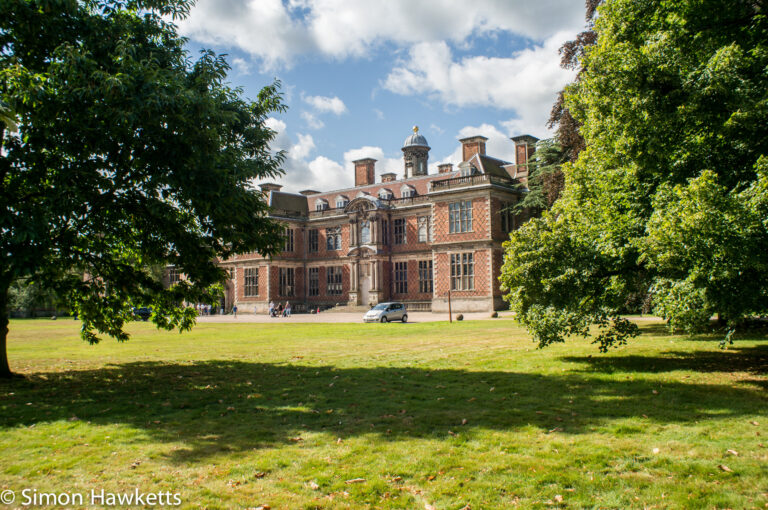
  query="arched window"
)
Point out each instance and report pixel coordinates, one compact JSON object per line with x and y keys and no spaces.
{"x":365,"y":232}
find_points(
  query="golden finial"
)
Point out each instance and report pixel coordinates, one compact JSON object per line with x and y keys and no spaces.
{"x":415,"y":129}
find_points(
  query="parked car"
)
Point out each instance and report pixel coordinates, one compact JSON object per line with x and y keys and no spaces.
{"x":142,"y":313}
{"x":385,"y":312}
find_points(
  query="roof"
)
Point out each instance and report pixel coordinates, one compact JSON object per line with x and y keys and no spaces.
{"x":289,"y":202}
{"x":490,"y":165}
{"x":525,"y":139}
{"x":415,"y":140}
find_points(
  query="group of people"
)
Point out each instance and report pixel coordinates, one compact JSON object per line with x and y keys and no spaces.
{"x":204,"y":310}
{"x":281,"y":310}
{"x":207,"y":309}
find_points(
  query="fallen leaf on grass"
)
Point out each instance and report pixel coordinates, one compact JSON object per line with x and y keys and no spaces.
{"x":656,"y":450}
{"x":754,"y":423}
{"x":732,"y":452}
{"x":260,"y":474}
{"x":431,"y":477}
{"x":397,"y":479}
{"x":355,"y":480}
{"x":427,"y":506}
{"x":313,"y":485}
{"x":725,"y":468}
{"x":454,"y":434}
{"x":655,"y":392}
{"x":464,"y":421}
{"x":296,"y":439}
{"x":558,"y":498}
{"x":339,"y":441}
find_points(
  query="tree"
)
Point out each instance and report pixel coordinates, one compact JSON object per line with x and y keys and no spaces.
{"x":127,"y":154}
{"x":572,"y":54}
{"x":545,"y":178}
{"x":669,"y":194}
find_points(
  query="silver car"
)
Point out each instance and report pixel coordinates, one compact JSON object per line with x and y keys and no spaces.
{"x":385,"y":312}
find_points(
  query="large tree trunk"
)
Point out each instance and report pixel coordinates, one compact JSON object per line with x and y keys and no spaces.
{"x":5,"y":370}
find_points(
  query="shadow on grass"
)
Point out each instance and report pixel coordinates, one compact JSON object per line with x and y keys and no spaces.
{"x":219,"y":406}
{"x":756,"y":331}
{"x":753,"y":360}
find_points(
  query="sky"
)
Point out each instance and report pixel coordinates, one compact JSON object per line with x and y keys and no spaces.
{"x":357,"y":75}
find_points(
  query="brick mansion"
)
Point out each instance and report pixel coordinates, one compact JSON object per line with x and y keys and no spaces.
{"x":409,"y":237}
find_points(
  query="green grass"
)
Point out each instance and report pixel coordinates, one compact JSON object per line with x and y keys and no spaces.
{"x":241,"y":415}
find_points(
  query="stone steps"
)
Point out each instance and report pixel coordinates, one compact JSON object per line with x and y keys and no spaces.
{"x":347,"y":309}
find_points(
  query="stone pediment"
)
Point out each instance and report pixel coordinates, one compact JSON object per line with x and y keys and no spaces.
{"x":364,"y":204}
{"x":363,"y":251}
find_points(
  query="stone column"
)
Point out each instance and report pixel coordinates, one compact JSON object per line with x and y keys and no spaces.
{"x":375,"y":275}
{"x":355,"y":276}
{"x":352,"y":233}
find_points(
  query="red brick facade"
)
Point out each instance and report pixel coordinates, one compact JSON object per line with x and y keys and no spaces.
{"x":383,"y":239}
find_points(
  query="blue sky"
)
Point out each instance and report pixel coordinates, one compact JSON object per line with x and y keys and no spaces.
{"x":358,"y":74}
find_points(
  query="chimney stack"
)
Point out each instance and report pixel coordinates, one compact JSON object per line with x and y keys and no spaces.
{"x":525,"y":146}
{"x":365,"y":172}
{"x":388,"y":177}
{"x":445,"y":168}
{"x":269,"y":186}
{"x":471,"y":146}
{"x":308,"y":192}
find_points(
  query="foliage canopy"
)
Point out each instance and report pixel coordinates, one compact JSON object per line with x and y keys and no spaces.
{"x":669,"y":196}
{"x":125,"y":154}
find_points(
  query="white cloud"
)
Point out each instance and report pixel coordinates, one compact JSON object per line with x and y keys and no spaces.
{"x":241,"y":65}
{"x":525,"y":83}
{"x":303,"y":148}
{"x":278,"y":32}
{"x":326,"y":104}
{"x":383,"y":163}
{"x":324,"y":174}
{"x":312,"y":121}
{"x":498,"y":144}
{"x":379,"y":114}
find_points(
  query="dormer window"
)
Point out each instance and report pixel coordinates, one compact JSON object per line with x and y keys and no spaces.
{"x":407,"y":192}
{"x":341,"y":201}
{"x":321,"y":205}
{"x":385,"y":194}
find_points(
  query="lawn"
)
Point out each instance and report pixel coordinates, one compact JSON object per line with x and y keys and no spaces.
{"x":450,"y":416}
